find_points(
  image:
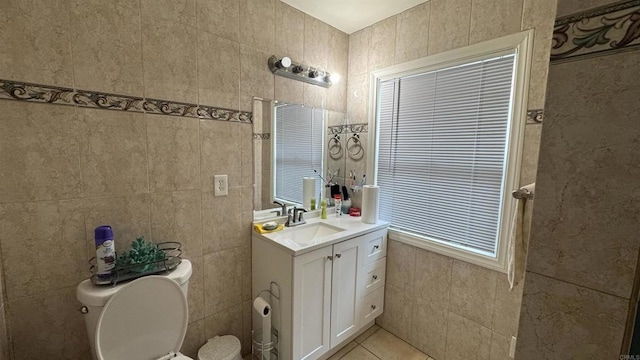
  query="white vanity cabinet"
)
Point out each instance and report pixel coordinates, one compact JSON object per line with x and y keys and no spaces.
{"x":327,"y":294}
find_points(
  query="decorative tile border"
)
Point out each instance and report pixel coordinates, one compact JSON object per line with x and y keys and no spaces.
{"x":350,"y":128}
{"x":535,"y":116}
{"x":14,"y":90}
{"x":609,"y":28}
{"x":265,"y":136}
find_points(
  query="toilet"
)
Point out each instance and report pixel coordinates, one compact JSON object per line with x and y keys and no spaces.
{"x":145,"y":319}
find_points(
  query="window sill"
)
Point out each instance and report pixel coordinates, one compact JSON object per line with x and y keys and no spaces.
{"x":497,"y":264}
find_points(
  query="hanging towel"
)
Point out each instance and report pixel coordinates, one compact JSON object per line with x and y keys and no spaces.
{"x":519,"y":239}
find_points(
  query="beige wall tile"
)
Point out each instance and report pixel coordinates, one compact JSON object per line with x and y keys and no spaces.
{"x":127,"y":215}
{"x":224,"y":322}
{"x":221,"y":221}
{"x":382,"y":44}
{"x":109,"y":66}
{"x":175,"y":216}
{"x":246,"y":271}
{"x":568,"y":7}
{"x":220,"y":17}
{"x":5,"y":345}
{"x":194,"y":339}
{"x":39,"y":152}
{"x":500,"y":346}
{"x":398,"y":312}
{"x":429,"y":328}
{"x":358,"y":98}
{"x":563,"y":321}
{"x":506,"y":312}
{"x":174,"y":153}
{"x":182,"y":11}
{"x":245,"y":340}
{"x":491,"y":19}
{"x":448,"y":25}
{"x":473,"y":291}
{"x":113,"y":152}
{"x":433,"y":277}
{"x":401,"y":263}
{"x":385,"y":345}
{"x":258,"y":24}
{"x":314,"y":96}
{"x":530,"y":151}
{"x":38,"y":53}
{"x":316,"y":42}
{"x":48,"y":325}
{"x":412,"y":34}
{"x":539,"y":15}
{"x":255,"y":77}
{"x":246,"y":142}
{"x":288,"y":90}
{"x":222,"y":282}
{"x":169,"y":59}
{"x":196,"y":290}
{"x":27,"y":231}
{"x":465,"y":337}
{"x":580,"y":198}
{"x":289,"y":32}
{"x":359,"y":52}
{"x":221,"y":152}
{"x":218,"y":71}
{"x":338,"y":62}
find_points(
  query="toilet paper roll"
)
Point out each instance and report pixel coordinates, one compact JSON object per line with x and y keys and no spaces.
{"x":370,"y":198}
{"x":308,"y":191}
{"x":264,"y":309}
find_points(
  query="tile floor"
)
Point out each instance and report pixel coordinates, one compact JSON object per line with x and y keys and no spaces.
{"x":376,"y":344}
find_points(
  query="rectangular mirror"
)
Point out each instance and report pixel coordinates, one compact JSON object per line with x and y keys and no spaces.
{"x":293,"y":141}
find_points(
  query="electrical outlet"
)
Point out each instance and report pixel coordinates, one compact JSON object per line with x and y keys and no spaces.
{"x":220,"y":185}
{"x":512,"y":349}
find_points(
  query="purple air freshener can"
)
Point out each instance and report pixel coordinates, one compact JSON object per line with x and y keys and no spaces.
{"x":105,"y":250}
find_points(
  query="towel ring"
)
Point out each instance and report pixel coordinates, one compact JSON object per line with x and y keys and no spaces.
{"x":354,"y":147}
{"x":335,"y":147}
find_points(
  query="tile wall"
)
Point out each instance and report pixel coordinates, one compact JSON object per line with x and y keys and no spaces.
{"x":67,"y":169}
{"x":445,"y":307}
{"x":583,"y":254}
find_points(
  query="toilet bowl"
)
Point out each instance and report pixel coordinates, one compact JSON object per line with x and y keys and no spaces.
{"x":146,"y":319}
{"x":143,"y":319}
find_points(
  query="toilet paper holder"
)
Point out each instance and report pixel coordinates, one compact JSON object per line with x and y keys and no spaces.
{"x":267,"y":350}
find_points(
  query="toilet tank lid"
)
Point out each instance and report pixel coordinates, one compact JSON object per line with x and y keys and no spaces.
{"x":93,"y":295}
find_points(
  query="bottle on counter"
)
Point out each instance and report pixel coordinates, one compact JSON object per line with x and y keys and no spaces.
{"x":323,"y":209}
{"x":337,"y":200}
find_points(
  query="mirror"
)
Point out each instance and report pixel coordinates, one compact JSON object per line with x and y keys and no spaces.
{"x":293,"y":141}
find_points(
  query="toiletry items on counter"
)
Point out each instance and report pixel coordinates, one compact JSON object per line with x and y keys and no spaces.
{"x":346,"y":201}
{"x":323,"y":209}
{"x":105,"y":250}
{"x":370,"y":199}
{"x":337,"y":199}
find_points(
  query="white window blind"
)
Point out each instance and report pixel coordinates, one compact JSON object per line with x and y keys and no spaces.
{"x":443,"y":137}
{"x":298,"y":150}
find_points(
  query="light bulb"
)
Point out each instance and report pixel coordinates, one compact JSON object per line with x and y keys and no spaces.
{"x":284,"y":63}
{"x":332,"y":78}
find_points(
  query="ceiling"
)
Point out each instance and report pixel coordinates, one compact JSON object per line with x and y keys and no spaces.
{"x":352,"y":15}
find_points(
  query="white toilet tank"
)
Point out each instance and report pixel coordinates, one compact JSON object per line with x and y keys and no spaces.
{"x":95,"y":297}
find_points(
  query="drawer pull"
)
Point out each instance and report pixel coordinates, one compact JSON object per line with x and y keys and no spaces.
{"x":376,"y":247}
{"x":373,"y":307}
{"x":330,"y":258}
{"x":338,"y":256}
{"x":375,"y":277}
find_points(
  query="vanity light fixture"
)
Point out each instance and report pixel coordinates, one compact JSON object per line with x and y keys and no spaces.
{"x":298,"y":71}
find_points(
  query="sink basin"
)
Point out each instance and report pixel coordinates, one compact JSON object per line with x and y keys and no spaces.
{"x":308,"y":234}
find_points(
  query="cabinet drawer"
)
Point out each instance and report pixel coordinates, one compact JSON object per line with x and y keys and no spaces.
{"x":372,"y":306}
{"x":374,"y":246}
{"x":373,"y":276}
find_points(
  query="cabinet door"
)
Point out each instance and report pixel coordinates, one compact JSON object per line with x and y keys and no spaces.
{"x":344,"y":291}
{"x":312,"y":304}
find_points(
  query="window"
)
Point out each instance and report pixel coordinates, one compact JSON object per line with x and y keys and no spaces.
{"x":298,"y":140}
{"x":449,"y":139}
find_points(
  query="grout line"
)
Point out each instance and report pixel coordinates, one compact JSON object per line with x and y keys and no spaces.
{"x":578,"y":285}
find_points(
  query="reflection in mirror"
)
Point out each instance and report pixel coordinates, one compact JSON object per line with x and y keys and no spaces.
{"x":291,"y":142}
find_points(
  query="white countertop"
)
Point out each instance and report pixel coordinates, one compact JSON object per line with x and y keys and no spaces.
{"x":353,"y":226}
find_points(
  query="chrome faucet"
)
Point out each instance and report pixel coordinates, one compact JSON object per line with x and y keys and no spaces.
{"x":283,"y":208}
{"x":296,"y":217}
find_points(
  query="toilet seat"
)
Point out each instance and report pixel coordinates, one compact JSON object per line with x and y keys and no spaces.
{"x":146,"y":319}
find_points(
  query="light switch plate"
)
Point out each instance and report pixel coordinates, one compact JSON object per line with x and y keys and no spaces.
{"x":220,"y":185}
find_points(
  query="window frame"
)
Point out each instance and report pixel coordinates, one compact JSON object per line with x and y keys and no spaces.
{"x":522,"y":44}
